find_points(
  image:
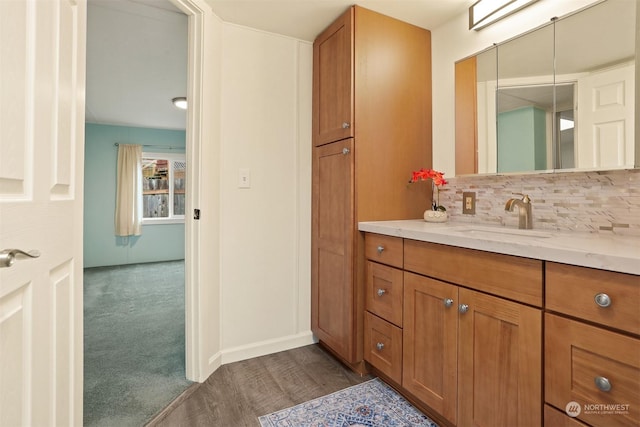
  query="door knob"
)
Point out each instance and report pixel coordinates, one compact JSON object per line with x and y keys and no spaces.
{"x":8,"y":256}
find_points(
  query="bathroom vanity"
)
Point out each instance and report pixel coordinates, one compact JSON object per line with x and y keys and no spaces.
{"x":494,"y":326}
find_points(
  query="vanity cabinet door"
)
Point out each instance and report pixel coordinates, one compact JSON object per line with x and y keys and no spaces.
{"x":499,"y":362}
{"x":333,"y":82}
{"x":430,"y":336}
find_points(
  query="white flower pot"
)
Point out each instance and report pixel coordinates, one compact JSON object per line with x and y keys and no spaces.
{"x":435,"y":216}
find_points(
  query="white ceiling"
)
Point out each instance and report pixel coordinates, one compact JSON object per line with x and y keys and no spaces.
{"x":137,"y":49}
{"x":305,"y":19}
{"x":136,"y":63}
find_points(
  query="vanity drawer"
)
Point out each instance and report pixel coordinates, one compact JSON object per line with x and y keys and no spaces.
{"x":383,"y":346}
{"x":573,"y":290}
{"x":383,"y":249}
{"x":384,"y":292}
{"x":554,"y":418}
{"x":507,"y":276}
{"x":578,"y":357}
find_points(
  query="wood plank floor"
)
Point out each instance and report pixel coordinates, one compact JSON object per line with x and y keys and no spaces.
{"x":238,"y":393}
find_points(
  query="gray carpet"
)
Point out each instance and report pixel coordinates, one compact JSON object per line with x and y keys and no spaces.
{"x":133,"y":342}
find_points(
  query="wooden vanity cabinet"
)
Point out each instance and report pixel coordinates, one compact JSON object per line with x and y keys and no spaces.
{"x":474,"y":358}
{"x":469,"y":355}
{"x":592,"y":346}
{"x":383,"y":304}
{"x":371,"y":129}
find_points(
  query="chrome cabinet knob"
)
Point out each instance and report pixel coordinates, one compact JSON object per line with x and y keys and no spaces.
{"x":603,"y":384}
{"x":380,"y":249}
{"x":345,"y":151}
{"x":346,"y":125}
{"x":463,"y":308}
{"x":379,"y":346}
{"x":381,"y":292}
{"x":448,"y":302}
{"x":603,"y":300}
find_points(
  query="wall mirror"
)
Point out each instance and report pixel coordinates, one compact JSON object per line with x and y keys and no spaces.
{"x":561,"y":97}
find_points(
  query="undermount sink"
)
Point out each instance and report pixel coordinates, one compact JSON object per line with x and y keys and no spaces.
{"x":495,"y":232}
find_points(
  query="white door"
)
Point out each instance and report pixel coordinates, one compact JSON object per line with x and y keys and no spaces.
{"x":606,"y":105}
{"x":42,"y":77}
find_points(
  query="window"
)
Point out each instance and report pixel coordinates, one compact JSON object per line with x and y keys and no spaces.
{"x":163,"y":184}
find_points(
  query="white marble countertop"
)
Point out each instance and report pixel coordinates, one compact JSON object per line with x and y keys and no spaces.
{"x":607,"y":252}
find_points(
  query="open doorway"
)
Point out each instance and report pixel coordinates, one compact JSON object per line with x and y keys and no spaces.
{"x":136,"y":64}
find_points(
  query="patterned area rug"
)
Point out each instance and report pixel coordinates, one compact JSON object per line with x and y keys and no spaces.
{"x":369,"y":404}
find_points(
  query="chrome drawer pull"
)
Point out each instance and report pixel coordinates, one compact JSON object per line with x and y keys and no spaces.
{"x":381,"y":292}
{"x":448,"y":302}
{"x":603,"y":300}
{"x":346,"y":125}
{"x":463,"y":308}
{"x":603,"y":384}
{"x":380,"y":249}
{"x":379,"y":346}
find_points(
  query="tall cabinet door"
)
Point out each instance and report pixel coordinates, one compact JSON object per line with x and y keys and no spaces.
{"x":430,"y":339}
{"x":499,"y":362}
{"x":333,"y":237}
{"x":333,"y":82}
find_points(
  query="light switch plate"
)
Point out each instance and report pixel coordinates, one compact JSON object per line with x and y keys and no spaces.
{"x":469,"y":202}
{"x":244,"y":178}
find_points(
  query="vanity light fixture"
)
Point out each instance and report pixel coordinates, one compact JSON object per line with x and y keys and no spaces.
{"x":486,"y":12}
{"x":180,"y":102}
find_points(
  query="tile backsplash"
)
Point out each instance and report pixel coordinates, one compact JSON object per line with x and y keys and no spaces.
{"x":597,"y":202}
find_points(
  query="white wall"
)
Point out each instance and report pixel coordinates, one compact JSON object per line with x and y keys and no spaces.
{"x":453,"y":41}
{"x":265,"y":230}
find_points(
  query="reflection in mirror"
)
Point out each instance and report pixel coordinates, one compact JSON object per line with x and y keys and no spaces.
{"x":525,"y":102}
{"x":517,"y":123}
{"x":487,"y":80}
{"x":476,"y":80}
{"x":601,"y":65}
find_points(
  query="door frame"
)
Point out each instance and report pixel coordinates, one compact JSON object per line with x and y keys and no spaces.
{"x":202,"y":320}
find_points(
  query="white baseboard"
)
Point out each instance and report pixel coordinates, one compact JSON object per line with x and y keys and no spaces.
{"x":266,"y":347}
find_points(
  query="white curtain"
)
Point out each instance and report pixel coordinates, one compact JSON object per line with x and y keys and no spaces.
{"x":128,"y":217}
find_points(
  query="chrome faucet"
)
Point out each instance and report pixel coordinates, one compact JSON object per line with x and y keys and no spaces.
{"x":525,"y":217}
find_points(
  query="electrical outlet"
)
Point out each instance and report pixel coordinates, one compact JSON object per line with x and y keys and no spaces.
{"x":469,"y":202}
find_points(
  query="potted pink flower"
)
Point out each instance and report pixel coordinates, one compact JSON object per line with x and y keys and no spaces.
{"x":437,"y":213}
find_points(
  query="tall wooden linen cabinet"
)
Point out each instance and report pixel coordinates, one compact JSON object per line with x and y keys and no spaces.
{"x":371,"y":128}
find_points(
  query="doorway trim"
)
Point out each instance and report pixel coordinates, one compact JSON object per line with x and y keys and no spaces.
{"x":202,"y":320}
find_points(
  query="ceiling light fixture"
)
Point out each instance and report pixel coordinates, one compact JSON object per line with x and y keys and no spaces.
{"x":486,"y":12}
{"x":180,"y":102}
